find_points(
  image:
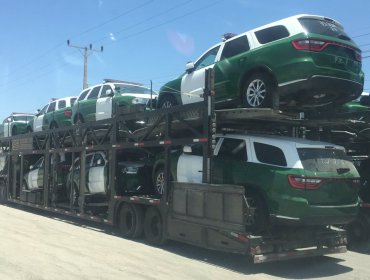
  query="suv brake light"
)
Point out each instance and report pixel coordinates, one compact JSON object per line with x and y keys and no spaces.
{"x":318,"y":45}
{"x":309,"y":45}
{"x":68,"y":113}
{"x":303,"y":183}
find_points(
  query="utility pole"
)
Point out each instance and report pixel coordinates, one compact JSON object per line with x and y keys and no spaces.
{"x":85,"y":53}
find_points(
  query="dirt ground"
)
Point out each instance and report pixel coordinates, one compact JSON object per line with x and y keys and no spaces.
{"x":36,"y":246}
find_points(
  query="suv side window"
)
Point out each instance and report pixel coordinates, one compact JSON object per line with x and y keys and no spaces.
{"x":96,"y":159}
{"x":61,"y":104}
{"x":51,"y":107}
{"x":269,"y":154}
{"x":43,"y":110}
{"x":94,"y":93}
{"x":235,"y":47}
{"x":104,"y":90}
{"x":207,"y":59}
{"x":233,"y":149}
{"x":83,"y":95}
{"x":88,"y":160}
{"x":270,"y":34}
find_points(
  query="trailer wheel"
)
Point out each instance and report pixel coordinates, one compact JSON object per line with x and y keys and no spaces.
{"x":153,"y":227}
{"x":2,"y":193}
{"x":131,"y":220}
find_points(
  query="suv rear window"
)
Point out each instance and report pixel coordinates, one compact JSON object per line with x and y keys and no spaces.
{"x":270,"y":34}
{"x":323,"y":27}
{"x":269,"y":154}
{"x":325,"y":160}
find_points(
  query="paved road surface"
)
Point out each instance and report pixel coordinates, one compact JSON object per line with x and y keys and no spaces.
{"x":34,"y":246}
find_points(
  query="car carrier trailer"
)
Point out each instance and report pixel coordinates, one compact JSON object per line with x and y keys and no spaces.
{"x":206,"y":215}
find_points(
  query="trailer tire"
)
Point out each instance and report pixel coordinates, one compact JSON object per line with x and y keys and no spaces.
{"x":2,"y":192}
{"x":131,"y":220}
{"x":153,"y":227}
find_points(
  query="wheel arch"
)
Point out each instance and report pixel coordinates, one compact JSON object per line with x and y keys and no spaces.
{"x":261,"y":69}
{"x":257,"y":190}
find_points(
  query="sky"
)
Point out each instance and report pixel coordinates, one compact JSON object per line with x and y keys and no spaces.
{"x":143,"y":40}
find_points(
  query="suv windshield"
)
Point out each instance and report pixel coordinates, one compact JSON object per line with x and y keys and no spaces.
{"x":325,"y":160}
{"x":323,"y":27}
{"x":22,"y":118}
{"x":131,"y":89}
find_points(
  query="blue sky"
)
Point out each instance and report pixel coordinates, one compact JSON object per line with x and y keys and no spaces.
{"x":143,"y":39}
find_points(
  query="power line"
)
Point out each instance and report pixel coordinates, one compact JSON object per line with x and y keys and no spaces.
{"x":17,"y":70}
{"x":145,"y":20}
{"x":171,"y":20}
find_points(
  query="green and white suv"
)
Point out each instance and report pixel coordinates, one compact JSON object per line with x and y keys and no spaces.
{"x":99,"y":102}
{"x":287,"y":180}
{"x":15,"y":124}
{"x":308,"y":60}
{"x":56,"y":114}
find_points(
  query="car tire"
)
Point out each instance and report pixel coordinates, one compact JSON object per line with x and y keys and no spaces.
{"x":75,"y":196}
{"x":258,"y":221}
{"x":131,"y":220}
{"x":53,"y":125}
{"x":258,"y":91}
{"x":167,"y":101}
{"x":159,"y":181}
{"x":153,"y":227}
{"x":79,"y":119}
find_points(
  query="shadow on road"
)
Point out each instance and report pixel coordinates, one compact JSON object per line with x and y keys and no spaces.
{"x":360,"y":247}
{"x":307,"y":268}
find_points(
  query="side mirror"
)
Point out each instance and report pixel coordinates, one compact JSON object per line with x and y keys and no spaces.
{"x":189,"y":67}
{"x":98,"y":163}
{"x":109,"y":93}
{"x":31,"y":167}
{"x":9,"y":119}
{"x":187,"y":150}
{"x":37,"y":113}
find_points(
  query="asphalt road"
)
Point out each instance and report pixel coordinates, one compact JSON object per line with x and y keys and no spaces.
{"x":36,"y":246}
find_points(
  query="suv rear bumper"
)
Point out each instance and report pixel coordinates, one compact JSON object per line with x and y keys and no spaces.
{"x":319,"y":216}
{"x":319,"y":90}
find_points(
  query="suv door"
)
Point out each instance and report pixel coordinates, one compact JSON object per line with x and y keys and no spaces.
{"x":190,"y":166}
{"x":87,"y":107}
{"x":96,"y":174}
{"x":231,"y":66}
{"x":35,"y":178}
{"x":39,"y":119}
{"x":49,"y":116}
{"x":193,"y":83}
{"x":104,"y":104}
{"x":230,"y":161}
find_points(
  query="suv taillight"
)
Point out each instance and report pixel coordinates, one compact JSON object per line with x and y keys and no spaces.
{"x":318,"y":45}
{"x":299,"y":182}
{"x":310,"y":44}
{"x":68,"y":113}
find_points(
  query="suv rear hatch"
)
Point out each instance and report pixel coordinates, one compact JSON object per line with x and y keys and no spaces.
{"x":329,"y":45}
{"x":330,"y":179}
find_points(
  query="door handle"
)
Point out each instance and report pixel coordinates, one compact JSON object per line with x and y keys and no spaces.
{"x":200,"y":170}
